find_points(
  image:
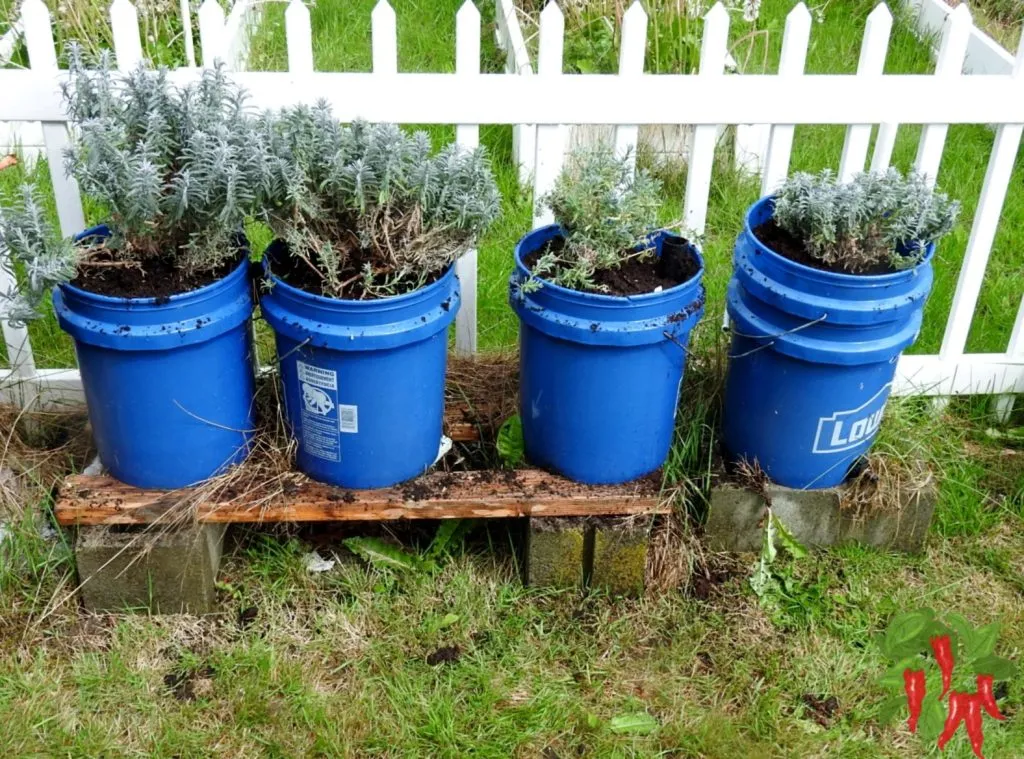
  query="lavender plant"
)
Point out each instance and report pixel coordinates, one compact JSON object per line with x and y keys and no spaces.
{"x":176,"y":170}
{"x":371,"y":209}
{"x":877,"y":219}
{"x":31,"y":243}
{"x":605,"y":213}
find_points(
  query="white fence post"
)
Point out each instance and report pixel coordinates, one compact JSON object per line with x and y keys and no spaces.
{"x":631,"y":63}
{"x":949,"y":65}
{"x":794,"y":56}
{"x":1015,"y":352}
{"x":186,"y":28}
{"x":517,"y":61}
{"x":43,"y":56}
{"x":713,"y":49}
{"x":872,"y":62}
{"x":385,"y":39}
{"x":467,"y":64}
{"x":211,"y":32}
{"x":299,"y":37}
{"x":124,"y":23}
{"x":983,"y":231}
{"x":550,"y":137}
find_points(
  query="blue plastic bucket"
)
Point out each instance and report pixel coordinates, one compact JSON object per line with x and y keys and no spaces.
{"x":168,"y":381}
{"x":600,"y":375}
{"x":363,"y":379}
{"x":813,"y":358}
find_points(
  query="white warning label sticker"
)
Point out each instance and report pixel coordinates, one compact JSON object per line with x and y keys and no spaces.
{"x":349,"y":416}
{"x":321,"y":431}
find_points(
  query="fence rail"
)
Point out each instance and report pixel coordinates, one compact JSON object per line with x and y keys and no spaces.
{"x":541,"y":104}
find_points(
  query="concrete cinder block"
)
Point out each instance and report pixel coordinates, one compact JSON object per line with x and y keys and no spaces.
{"x":169,"y":572}
{"x":558,"y":551}
{"x":819,"y":518}
{"x":620,"y":554}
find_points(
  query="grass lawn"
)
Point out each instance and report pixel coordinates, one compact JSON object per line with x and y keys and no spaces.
{"x":338,"y":663}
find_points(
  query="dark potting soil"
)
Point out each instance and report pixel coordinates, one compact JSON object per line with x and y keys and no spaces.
{"x":158,"y":278}
{"x":782,"y":242}
{"x":297,"y":273}
{"x":637,"y":276}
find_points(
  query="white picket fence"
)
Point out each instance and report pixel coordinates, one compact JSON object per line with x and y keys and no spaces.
{"x":550,"y":101}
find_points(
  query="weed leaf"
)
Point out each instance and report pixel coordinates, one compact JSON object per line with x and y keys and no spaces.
{"x":639,"y":723}
{"x":787,"y":540}
{"x":449,"y":532}
{"x":510,"y":442}
{"x":383,"y":555}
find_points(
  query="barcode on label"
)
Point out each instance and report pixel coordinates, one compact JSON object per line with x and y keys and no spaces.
{"x":349,"y":416}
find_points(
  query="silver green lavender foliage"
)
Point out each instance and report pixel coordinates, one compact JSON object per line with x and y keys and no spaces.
{"x":176,"y":170}
{"x":877,"y":219}
{"x":605,"y":212}
{"x":373,"y":198}
{"x":46,"y":258}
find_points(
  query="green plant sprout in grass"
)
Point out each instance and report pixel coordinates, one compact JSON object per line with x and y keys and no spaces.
{"x":371,"y":206}
{"x":876,"y":219}
{"x":605,"y":213}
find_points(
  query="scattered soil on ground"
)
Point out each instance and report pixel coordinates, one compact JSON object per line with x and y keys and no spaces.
{"x":188,"y":685}
{"x":782,"y":242}
{"x":444,"y":655}
{"x":157,"y":278}
{"x":637,"y":276}
{"x":821,"y":709}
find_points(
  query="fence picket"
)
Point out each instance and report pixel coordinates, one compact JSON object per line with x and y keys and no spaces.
{"x":983,"y":231}
{"x":631,"y":63}
{"x":467,"y":63}
{"x":872,"y":61}
{"x":713,"y":49}
{"x":885,"y":141}
{"x":212,"y":39}
{"x":550,"y":137}
{"x":948,"y":65}
{"x":510,"y":38}
{"x":1015,"y":353}
{"x":186,"y":28}
{"x":795,"y":39}
{"x":299,"y":37}
{"x":124,"y":24}
{"x":43,"y":56}
{"x":384,"y":38}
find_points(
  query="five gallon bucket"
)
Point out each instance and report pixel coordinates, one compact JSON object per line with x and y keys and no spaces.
{"x":363,"y":380}
{"x":168,"y":381}
{"x":600,"y":375}
{"x":813,"y":358}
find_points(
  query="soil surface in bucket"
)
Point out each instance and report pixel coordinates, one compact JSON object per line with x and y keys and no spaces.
{"x":782,"y":242}
{"x":301,"y":274}
{"x":156,"y":278}
{"x":637,"y":276}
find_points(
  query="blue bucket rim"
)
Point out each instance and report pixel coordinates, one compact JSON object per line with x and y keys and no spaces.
{"x":602,"y":297}
{"x":811,"y":271}
{"x":376,"y":303}
{"x":157,"y":301}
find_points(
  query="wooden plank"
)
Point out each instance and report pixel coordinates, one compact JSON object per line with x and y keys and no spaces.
{"x":551,"y":138}
{"x":93,"y":500}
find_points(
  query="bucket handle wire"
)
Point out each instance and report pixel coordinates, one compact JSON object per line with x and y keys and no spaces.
{"x":774,"y":337}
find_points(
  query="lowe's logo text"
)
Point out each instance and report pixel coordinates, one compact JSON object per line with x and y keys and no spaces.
{"x":844,"y":430}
